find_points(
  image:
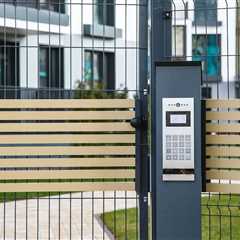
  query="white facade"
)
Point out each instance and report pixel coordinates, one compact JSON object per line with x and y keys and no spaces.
{"x":32,"y":34}
{"x":225,"y":27}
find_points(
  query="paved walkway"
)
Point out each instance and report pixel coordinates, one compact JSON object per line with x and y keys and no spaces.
{"x":43,"y":216}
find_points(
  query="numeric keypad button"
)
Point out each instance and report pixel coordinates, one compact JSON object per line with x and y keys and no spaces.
{"x":169,"y":157}
{"x":175,"y":151}
{"x":181,"y":144}
{"x":181,"y":150}
{"x":168,"y":137}
{"x":181,"y":137}
{"x":175,"y":137}
{"x":175,"y":144}
{"x":188,"y":150}
{"x":175,"y":157}
{"x":187,"y":137}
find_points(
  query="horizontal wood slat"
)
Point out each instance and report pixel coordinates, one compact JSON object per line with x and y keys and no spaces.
{"x":67,"y":127}
{"x":66,"y":115}
{"x":67,"y":174}
{"x":223,"y":174}
{"x":221,"y":103}
{"x":220,"y":171}
{"x":223,"y":116}
{"x":223,"y":151}
{"x":224,"y":128}
{"x":68,"y":104}
{"x":107,"y":148}
{"x":60,"y":150}
{"x":67,"y":138}
{"x":223,"y":139}
{"x":223,"y":188}
{"x":68,"y":162}
{"x":221,"y":163}
{"x":67,"y":187}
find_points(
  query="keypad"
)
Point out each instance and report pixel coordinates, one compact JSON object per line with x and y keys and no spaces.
{"x":178,"y":147}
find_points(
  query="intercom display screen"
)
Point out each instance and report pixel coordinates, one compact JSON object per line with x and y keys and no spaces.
{"x":178,"y":119}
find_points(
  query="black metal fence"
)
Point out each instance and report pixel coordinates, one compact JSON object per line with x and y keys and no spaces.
{"x":99,"y":49}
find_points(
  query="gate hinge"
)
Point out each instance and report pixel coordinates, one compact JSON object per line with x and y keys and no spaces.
{"x":146,"y":91}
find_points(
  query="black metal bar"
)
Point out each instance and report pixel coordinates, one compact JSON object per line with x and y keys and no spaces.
{"x":161,"y":29}
{"x":142,"y":165}
{"x":203,"y":146}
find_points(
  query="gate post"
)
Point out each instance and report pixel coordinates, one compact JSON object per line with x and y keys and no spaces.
{"x":142,"y":164}
{"x":176,"y":190}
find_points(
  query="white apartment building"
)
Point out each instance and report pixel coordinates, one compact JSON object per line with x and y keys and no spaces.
{"x":56,"y":44}
{"x":206,"y":30}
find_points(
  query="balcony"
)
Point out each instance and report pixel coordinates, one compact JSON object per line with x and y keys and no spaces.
{"x":102,"y":31}
{"x":48,"y":12}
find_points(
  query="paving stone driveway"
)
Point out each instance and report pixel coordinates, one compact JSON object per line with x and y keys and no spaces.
{"x":43,"y":216}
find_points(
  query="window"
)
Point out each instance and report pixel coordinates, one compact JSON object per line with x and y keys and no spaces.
{"x":99,"y":69}
{"x":207,"y":48}
{"x":9,"y":64}
{"x":205,"y":12}
{"x":52,"y":5}
{"x":51,"y":72}
{"x":104,"y":12}
{"x":178,"y":42}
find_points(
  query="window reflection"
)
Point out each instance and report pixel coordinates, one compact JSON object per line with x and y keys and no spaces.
{"x":207,"y":48}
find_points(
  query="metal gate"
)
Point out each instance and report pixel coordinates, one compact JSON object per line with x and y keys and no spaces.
{"x":70,"y":74}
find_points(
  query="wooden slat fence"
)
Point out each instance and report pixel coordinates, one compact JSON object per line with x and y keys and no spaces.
{"x":223,"y":146}
{"x":67,"y":145}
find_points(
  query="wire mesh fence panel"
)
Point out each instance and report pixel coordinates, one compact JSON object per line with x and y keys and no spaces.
{"x":208,"y":31}
{"x":87,"y":52}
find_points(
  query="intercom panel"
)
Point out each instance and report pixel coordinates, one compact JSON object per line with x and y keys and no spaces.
{"x":178,"y":139}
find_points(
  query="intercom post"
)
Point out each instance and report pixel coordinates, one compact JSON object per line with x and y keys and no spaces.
{"x":176,"y":172}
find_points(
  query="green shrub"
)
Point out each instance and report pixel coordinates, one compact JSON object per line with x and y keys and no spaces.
{"x":84,"y":90}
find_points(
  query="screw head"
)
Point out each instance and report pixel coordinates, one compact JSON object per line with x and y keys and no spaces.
{"x":167,"y":14}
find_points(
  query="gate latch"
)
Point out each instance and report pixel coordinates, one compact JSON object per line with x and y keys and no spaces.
{"x":139,"y":122}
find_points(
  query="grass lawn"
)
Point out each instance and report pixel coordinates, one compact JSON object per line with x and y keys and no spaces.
{"x":7,"y":197}
{"x":220,"y":219}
